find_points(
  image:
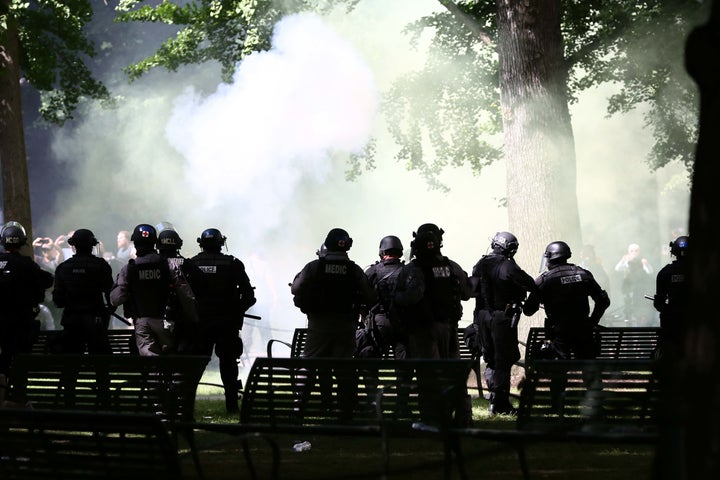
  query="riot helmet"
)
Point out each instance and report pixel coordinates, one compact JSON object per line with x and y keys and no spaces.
{"x":431,"y":227}
{"x":83,"y":240}
{"x":168,"y":238}
{"x":338,"y":240}
{"x":557,"y":252}
{"x":425,"y":243}
{"x":391,"y":245}
{"x":505,"y":243}
{"x":13,"y":235}
{"x":679,"y":247}
{"x":144,"y":236}
{"x":211,"y":239}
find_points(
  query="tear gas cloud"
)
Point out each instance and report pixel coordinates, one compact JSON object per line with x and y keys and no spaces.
{"x":263,"y":160}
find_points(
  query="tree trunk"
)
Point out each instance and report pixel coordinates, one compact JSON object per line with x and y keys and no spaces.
{"x":539,"y":146}
{"x":16,"y":191}
{"x":699,"y":380}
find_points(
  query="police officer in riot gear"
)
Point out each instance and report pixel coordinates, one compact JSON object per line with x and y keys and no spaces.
{"x":382,"y":275}
{"x":432,"y":289}
{"x":672,"y":298}
{"x":332,"y":291}
{"x":143,"y":286}
{"x":501,"y":287}
{"x":82,"y":290}
{"x":564,"y":290}
{"x":22,"y":289}
{"x":429,"y":294}
{"x":182,"y":309}
{"x":222,"y":302}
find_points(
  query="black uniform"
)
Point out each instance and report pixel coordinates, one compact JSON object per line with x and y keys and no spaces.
{"x":82,"y":289}
{"x":503,"y":286}
{"x":672,"y":298}
{"x":433,"y":287}
{"x":564,"y":291}
{"x":22,"y":289}
{"x":382,"y":277}
{"x":225,"y":295}
{"x":143,"y":288}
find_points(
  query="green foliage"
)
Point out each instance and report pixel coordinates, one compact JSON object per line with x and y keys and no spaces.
{"x":54,"y":51}
{"x":637,"y":45}
{"x":453,"y":102}
{"x":225,"y":31}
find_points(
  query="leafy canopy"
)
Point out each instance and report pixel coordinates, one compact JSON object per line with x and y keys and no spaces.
{"x":54,"y":51}
{"x":453,"y":102}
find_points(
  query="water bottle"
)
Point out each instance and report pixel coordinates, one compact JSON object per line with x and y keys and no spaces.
{"x":301,"y":446}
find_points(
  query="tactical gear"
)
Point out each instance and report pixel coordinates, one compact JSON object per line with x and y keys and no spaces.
{"x":506,"y":243}
{"x":426,"y":242}
{"x":211,"y":239}
{"x":679,"y":247}
{"x":556,"y":252}
{"x":149,"y":284}
{"x":169,"y":239}
{"x":334,"y":288}
{"x":338,"y":240}
{"x":391,"y":245}
{"x":430,"y":227}
{"x":13,"y":235}
{"x":82,"y":238}
{"x":144,"y":235}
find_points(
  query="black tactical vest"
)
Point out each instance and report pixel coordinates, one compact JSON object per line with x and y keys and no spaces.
{"x":149,"y":284}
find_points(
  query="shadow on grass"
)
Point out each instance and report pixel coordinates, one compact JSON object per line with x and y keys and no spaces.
{"x":421,"y":457}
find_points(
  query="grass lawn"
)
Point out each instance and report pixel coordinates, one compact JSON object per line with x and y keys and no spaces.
{"x":334,"y":457}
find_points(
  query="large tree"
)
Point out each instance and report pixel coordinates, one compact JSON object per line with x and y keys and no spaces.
{"x":509,"y":66}
{"x":42,"y":43}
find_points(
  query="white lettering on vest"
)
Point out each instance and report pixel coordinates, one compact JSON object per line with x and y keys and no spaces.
{"x":442,"y":271}
{"x":208,"y":268}
{"x":149,"y":274}
{"x":335,"y":269}
{"x":677,"y":278}
{"x":570,"y":279}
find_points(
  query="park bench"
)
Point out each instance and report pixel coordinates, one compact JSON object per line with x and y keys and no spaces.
{"x":364,"y":397}
{"x":604,"y":401}
{"x":47,"y":444}
{"x":614,"y":343}
{"x":297,"y":345}
{"x":164,"y":386}
{"x":122,"y":341}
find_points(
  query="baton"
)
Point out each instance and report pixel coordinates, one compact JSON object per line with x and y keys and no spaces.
{"x":122,"y":319}
{"x":254,"y":317}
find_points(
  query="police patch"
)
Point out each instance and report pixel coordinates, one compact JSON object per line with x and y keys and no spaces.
{"x":570,"y":279}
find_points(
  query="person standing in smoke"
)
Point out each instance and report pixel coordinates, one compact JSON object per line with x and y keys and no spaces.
{"x":182,"y":309}
{"x":503,"y":286}
{"x":382,"y":275}
{"x":82,"y":290}
{"x":222,"y":302}
{"x":636,"y":271}
{"x":22,"y":289}
{"x":564,"y":290}
{"x":332,"y":291}
{"x":143,"y":287}
{"x":672,"y":298}
{"x":429,"y":293}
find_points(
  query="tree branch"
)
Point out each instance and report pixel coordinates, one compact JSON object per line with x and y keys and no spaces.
{"x":468,"y":21}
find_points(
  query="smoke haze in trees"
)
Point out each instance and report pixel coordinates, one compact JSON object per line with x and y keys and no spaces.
{"x":264,"y":158}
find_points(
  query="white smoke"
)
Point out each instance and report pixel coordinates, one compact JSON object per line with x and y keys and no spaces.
{"x":275,"y":126}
